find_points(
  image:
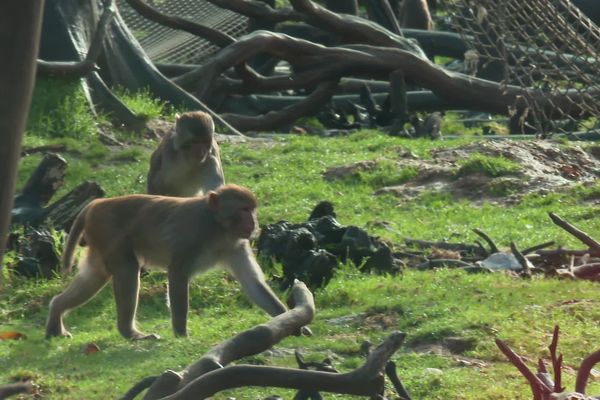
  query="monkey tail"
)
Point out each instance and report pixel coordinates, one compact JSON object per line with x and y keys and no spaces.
{"x":72,"y":241}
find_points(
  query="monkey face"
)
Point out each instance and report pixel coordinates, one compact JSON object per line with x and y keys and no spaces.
{"x":247,"y":223}
{"x":197,"y":150}
{"x":194,"y":135}
{"x":235,"y":209}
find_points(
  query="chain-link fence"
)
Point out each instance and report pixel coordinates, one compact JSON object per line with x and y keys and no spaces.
{"x":543,"y":44}
{"x":166,"y":45}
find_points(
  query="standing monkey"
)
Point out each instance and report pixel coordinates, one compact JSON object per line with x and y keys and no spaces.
{"x":186,"y":236}
{"x":414,"y":14}
{"x":187,"y":162}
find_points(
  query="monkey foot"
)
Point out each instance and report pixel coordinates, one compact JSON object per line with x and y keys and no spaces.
{"x":50,"y":333}
{"x":144,"y":336}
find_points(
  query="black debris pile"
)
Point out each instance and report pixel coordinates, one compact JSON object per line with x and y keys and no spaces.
{"x":36,"y":252}
{"x":311,"y":251}
{"x":36,"y":223}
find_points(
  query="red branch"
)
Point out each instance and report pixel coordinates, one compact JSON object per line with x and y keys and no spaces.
{"x":584,"y":371}
{"x":539,"y":389}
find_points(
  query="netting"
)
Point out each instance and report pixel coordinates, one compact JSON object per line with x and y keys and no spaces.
{"x":166,"y":45}
{"x":544,"y":44}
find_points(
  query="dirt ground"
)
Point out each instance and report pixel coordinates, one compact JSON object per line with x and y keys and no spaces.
{"x":546,"y":167}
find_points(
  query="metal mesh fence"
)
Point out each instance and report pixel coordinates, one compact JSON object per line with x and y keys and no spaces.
{"x":544,"y":44}
{"x":166,"y":45}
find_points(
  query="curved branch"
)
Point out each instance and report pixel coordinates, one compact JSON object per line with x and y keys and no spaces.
{"x":87,"y":65}
{"x":488,"y":240}
{"x":252,"y":341}
{"x":276,"y":119}
{"x":353,"y":29}
{"x":366,"y":380}
{"x":584,"y":371}
{"x":538,"y":388}
{"x":316,"y":63}
{"x":212,"y":35}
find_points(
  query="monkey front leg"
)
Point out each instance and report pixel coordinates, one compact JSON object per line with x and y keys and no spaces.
{"x":179,"y":293}
{"x":245,"y":269}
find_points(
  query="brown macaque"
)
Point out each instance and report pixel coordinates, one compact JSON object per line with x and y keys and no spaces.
{"x":187,"y":162}
{"x":186,"y":236}
{"x":414,"y":14}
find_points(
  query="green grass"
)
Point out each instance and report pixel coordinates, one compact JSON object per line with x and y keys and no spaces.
{"x":144,"y":105}
{"x":59,"y":109}
{"x":488,"y":165}
{"x":287,"y":176}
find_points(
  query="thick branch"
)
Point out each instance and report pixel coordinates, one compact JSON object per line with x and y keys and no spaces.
{"x":316,"y":63}
{"x":252,"y":341}
{"x":353,"y":29}
{"x":556,"y":361}
{"x":538,"y":387}
{"x":488,"y":240}
{"x":364,"y":381}
{"x":212,"y":35}
{"x":584,"y":371}
{"x":16,"y":388}
{"x":525,"y":263}
{"x":276,"y":119}
{"x":588,"y":271}
{"x":579,"y":234}
{"x":81,"y":68}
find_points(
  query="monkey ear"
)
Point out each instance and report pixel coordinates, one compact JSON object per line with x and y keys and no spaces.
{"x":213,"y":201}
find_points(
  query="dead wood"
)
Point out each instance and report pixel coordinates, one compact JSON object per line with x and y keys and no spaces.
{"x":16,"y":388}
{"x":381,"y":12}
{"x":314,"y":64}
{"x":584,"y":371}
{"x":537,"y":247}
{"x":43,"y":183}
{"x":543,"y":385}
{"x":25,"y":151}
{"x":587,"y":271}
{"x":460,"y":247}
{"x":579,"y":234}
{"x":390,"y":371}
{"x":488,"y":240}
{"x":526,"y":265}
{"x":62,"y":212}
{"x":252,"y":341}
{"x":366,"y":380}
{"x":274,"y":119}
{"x":352,"y":29}
{"x":538,"y":387}
{"x":556,"y":361}
{"x":88,"y":64}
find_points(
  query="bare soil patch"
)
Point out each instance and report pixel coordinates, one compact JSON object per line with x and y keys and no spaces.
{"x":545,"y":167}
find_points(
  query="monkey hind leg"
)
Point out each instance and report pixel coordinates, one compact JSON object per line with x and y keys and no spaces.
{"x":92,"y":277}
{"x":126,"y":284}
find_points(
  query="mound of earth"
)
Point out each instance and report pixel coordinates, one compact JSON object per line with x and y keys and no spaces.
{"x":544,"y":166}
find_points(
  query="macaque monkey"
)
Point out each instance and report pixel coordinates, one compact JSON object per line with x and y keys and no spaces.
{"x":187,"y":162}
{"x":414,"y":14}
{"x":186,"y":236}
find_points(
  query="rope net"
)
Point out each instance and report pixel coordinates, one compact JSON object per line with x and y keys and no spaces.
{"x":543,"y":44}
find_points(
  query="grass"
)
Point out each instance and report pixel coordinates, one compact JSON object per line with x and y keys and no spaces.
{"x":488,"y":165}
{"x":287,"y":176}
